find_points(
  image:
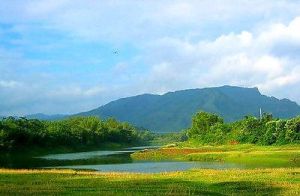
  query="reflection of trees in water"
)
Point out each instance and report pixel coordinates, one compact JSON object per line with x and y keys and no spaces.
{"x":27,"y":161}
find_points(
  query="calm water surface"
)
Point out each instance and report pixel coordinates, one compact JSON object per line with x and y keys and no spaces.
{"x":152,"y":167}
{"x":105,"y":161}
{"x":108,"y":161}
{"x":126,"y":164}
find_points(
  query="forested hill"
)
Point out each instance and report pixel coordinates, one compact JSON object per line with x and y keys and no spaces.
{"x":173,"y":111}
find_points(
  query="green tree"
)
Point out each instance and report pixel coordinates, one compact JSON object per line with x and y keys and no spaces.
{"x":202,"y":122}
{"x":292,"y":127}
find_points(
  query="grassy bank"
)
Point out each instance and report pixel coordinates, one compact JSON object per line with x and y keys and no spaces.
{"x":194,"y":182}
{"x":252,"y":155}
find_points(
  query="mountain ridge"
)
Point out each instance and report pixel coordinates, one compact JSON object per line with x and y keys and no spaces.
{"x":42,"y":116}
{"x":173,"y":111}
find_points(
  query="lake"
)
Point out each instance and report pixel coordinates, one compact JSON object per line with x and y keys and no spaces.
{"x":118,"y":161}
{"x":106,"y":161}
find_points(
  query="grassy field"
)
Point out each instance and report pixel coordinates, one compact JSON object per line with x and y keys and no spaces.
{"x":251,"y":155}
{"x":194,"y":182}
{"x":279,"y":175}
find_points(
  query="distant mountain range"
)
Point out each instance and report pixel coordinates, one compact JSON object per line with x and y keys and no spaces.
{"x":173,"y":111}
{"x":42,"y":116}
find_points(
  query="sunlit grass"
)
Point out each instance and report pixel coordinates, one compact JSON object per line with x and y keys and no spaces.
{"x":264,"y":181}
{"x":251,"y":155}
{"x":285,"y":181}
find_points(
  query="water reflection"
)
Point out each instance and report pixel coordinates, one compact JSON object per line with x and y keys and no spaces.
{"x":153,"y":167}
{"x":81,"y":155}
{"x":120,"y":161}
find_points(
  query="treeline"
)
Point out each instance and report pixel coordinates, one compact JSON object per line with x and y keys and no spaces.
{"x":210,"y":129}
{"x":16,"y":133}
{"x":168,"y":138}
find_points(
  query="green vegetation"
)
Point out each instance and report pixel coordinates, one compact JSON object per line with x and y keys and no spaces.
{"x":251,"y":143}
{"x":167,"y":138}
{"x":77,"y":132}
{"x":252,"y":156}
{"x":267,"y":148}
{"x":210,"y":129}
{"x":193,"y":182}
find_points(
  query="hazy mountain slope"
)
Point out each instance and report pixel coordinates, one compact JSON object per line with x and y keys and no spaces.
{"x":41,"y":116}
{"x":173,"y":111}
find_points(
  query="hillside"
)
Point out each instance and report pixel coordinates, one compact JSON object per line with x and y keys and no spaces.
{"x":41,"y":116}
{"x":173,"y":111}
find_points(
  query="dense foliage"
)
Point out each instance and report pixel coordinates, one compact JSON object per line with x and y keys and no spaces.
{"x":210,"y":129}
{"x":168,"y":138}
{"x":16,"y":133}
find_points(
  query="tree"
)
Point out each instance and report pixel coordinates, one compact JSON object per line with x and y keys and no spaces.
{"x":202,"y":122}
{"x":292,"y":127}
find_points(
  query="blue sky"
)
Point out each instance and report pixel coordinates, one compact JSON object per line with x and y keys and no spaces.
{"x":58,"y":56}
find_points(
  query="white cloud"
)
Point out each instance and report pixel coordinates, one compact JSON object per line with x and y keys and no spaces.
{"x":9,"y":84}
{"x":280,"y":32}
{"x":118,"y":21}
{"x":76,"y":91}
{"x":180,"y":44}
{"x":239,"y":59}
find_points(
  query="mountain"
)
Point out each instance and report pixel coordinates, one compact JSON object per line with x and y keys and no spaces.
{"x":173,"y":111}
{"x":41,"y":116}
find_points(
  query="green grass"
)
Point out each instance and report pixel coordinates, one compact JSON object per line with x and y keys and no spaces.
{"x":194,"y":182}
{"x":276,"y":178}
{"x":251,"y":155}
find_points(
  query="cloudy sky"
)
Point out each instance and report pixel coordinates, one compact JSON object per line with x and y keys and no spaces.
{"x":68,"y":56}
